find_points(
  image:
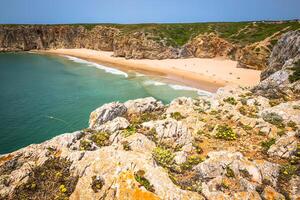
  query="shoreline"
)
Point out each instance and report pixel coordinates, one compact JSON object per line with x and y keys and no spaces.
{"x":201,"y":73}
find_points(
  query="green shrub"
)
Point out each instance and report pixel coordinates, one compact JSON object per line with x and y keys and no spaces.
{"x":97,"y":183}
{"x":274,"y":118}
{"x":287,"y":171}
{"x":249,"y":111}
{"x":229,"y":172}
{"x":163,"y":156}
{"x":139,"y":177}
{"x":292,"y":124}
{"x":177,"y":116}
{"x":101,"y":139}
{"x":85,"y":145}
{"x":126,"y":146}
{"x":190,"y":162}
{"x":267,"y":144}
{"x":296,"y":73}
{"x":230,"y":100}
{"x":51,"y":180}
{"x":225,"y":132}
{"x":129,"y":131}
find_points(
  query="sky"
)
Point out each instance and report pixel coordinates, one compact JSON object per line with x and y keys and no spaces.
{"x":144,"y":11}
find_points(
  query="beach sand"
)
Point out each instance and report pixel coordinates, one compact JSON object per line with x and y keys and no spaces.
{"x":206,"y":74}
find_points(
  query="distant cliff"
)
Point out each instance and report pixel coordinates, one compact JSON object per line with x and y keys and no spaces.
{"x":248,"y":43}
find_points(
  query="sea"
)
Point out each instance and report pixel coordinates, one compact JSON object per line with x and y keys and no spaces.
{"x":42,"y":96}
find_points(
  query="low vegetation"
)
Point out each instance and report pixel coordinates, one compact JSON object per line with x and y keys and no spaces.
{"x":267,"y":144}
{"x":295,"y":76}
{"x":163,"y":156}
{"x":52,"y":180}
{"x":101,"y":139}
{"x":177,"y":116}
{"x":140,"y":178}
{"x":230,"y":100}
{"x":225,"y":132}
{"x":274,"y":119}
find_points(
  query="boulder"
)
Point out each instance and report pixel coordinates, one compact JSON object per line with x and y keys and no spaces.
{"x":285,"y":146}
{"x":116,"y":124}
{"x":106,"y":113}
{"x":148,"y":104}
{"x":285,"y":111}
{"x":170,"y":132}
{"x":270,"y":193}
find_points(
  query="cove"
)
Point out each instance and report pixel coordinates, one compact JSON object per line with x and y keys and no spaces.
{"x":42,"y":96}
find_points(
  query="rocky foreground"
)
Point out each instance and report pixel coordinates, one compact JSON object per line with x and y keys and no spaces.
{"x":240,"y":143}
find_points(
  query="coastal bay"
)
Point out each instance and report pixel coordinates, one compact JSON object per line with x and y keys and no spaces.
{"x":203,"y":73}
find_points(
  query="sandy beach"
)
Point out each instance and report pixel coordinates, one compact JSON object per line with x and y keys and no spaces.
{"x":202,"y":73}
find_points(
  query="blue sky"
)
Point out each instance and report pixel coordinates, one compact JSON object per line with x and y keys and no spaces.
{"x":145,"y":11}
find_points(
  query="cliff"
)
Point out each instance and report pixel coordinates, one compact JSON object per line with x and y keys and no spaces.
{"x":249,"y":43}
{"x":235,"y":144}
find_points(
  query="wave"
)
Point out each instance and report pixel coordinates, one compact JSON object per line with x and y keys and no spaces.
{"x":92,"y":64}
{"x":178,"y":87}
{"x":139,"y":74}
{"x":156,"y":83}
{"x":182,"y":87}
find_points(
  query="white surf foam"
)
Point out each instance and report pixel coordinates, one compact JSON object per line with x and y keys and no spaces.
{"x":156,"y":83}
{"x":106,"y":69}
{"x":182,"y":87}
{"x":178,"y":87}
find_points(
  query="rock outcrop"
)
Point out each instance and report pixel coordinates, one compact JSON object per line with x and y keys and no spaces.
{"x":288,"y":47}
{"x":24,"y":38}
{"x":281,"y":79}
{"x":208,"y":46}
{"x":140,"y":45}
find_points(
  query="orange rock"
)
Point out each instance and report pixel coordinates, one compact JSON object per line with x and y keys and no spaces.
{"x":129,"y":188}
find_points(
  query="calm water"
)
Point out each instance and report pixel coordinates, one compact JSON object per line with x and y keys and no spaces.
{"x":44,"y":96}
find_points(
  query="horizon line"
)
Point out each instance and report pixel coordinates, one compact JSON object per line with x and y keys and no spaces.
{"x":110,"y":23}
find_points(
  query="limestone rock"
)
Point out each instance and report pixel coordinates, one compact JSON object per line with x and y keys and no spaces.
{"x":208,"y":46}
{"x":117,"y":168}
{"x":106,"y":113}
{"x":170,"y":131}
{"x":183,"y":105}
{"x":140,"y":45}
{"x":270,"y":193}
{"x":288,"y":47}
{"x":295,"y":187}
{"x":284,"y":146}
{"x":140,"y":143}
{"x":285,"y":111}
{"x":180,"y":157}
{"x":114,"y":125}
{"x":143,"y":105}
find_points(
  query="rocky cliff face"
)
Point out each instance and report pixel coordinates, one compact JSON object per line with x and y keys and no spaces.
{"x":23,"y":38}
{"x":139,"y":45}
{"x":288,"y":47}
{"x":136,"y":44}
{"x":208,"y":46}
{"x":281,"y":79}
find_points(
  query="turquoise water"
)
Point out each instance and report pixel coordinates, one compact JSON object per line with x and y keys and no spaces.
{"x":42,"y":96}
